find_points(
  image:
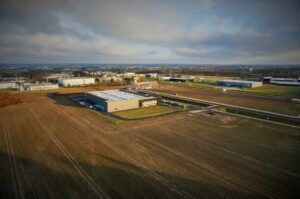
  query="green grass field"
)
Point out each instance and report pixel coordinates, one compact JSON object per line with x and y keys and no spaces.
{"x":276,"y":90}
{"x":265,"y":89}
{"x":144,"y":112}
{"x":211,"y":85}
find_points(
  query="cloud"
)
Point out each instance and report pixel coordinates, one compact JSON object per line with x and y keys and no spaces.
{"x":150,"y":30}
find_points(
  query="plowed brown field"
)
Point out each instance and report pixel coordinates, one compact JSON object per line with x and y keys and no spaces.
{"x":51,"y":148}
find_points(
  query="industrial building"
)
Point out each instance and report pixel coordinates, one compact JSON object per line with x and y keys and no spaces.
{"x":38,"y":86}
{"x":54,"y":78}
{"x":151,"y":75}
{"x":76,"y":81}
{"x":143,"y":85}
{"x":180,"y":79}
{"x":14,"y":79}
{"x":266,"y":79}
{"x":285,"y":81}
{"x":239,"y":83}
{"x":8,"y":85}
{"x":117,"y":100}
{"x":164,"y":78}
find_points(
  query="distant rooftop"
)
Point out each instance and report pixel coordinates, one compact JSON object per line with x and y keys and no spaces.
{"x":117,"y":95}
{"x":237,"y":81}
{"x":38,"y":84}
{"x":66,"y":78}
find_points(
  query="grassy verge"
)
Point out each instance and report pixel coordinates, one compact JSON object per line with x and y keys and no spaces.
{"x":210,"y":85}
{"x":144,"y":112}
{"x":268,"y":89}
{"x":262,"y":116}
{"x":276,"y":90}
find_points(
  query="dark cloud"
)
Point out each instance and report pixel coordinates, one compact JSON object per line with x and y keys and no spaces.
{"x":150,"y":30}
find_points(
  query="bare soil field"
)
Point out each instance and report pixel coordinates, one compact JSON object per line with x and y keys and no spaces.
{"x":273,"y":105}
{"x":7,"y":99}
{"x":51,"y":148}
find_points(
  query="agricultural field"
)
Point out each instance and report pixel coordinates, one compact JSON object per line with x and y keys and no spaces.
{"x":52,"y":148}
{"x":7,"y":99}
{"x":269,"y":89}
{"x":293,"y":91}
{"x":144,"y":112}
{"x":273,"y":105}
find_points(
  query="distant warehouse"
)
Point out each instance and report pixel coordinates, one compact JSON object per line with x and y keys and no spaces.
{"x":8,"y":85}
{"x":76,"y":81}
{"x":38,"y":86}
{"x":117,"y":100}
{"x":180,"y":79}
{"x":286,"y":81}
{"x":239,"y":83}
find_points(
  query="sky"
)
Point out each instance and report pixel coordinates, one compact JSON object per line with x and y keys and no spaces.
{"x":150,"y":31}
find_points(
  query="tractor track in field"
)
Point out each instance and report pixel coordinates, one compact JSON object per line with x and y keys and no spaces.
{"x":18,"y":188}
{"x":232,"y":152}
{"x":127,"y":157}
{"x":149,"y":171}
{"x":229,"y":180}
{"x":95,"y":187}
{"x":218,"y":174}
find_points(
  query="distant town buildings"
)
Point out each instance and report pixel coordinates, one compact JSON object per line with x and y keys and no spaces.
{"x":128,"y":75}
{"x":56,"y":76}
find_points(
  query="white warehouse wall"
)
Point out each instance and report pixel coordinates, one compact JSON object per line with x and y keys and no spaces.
{"x":76,"y":81}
